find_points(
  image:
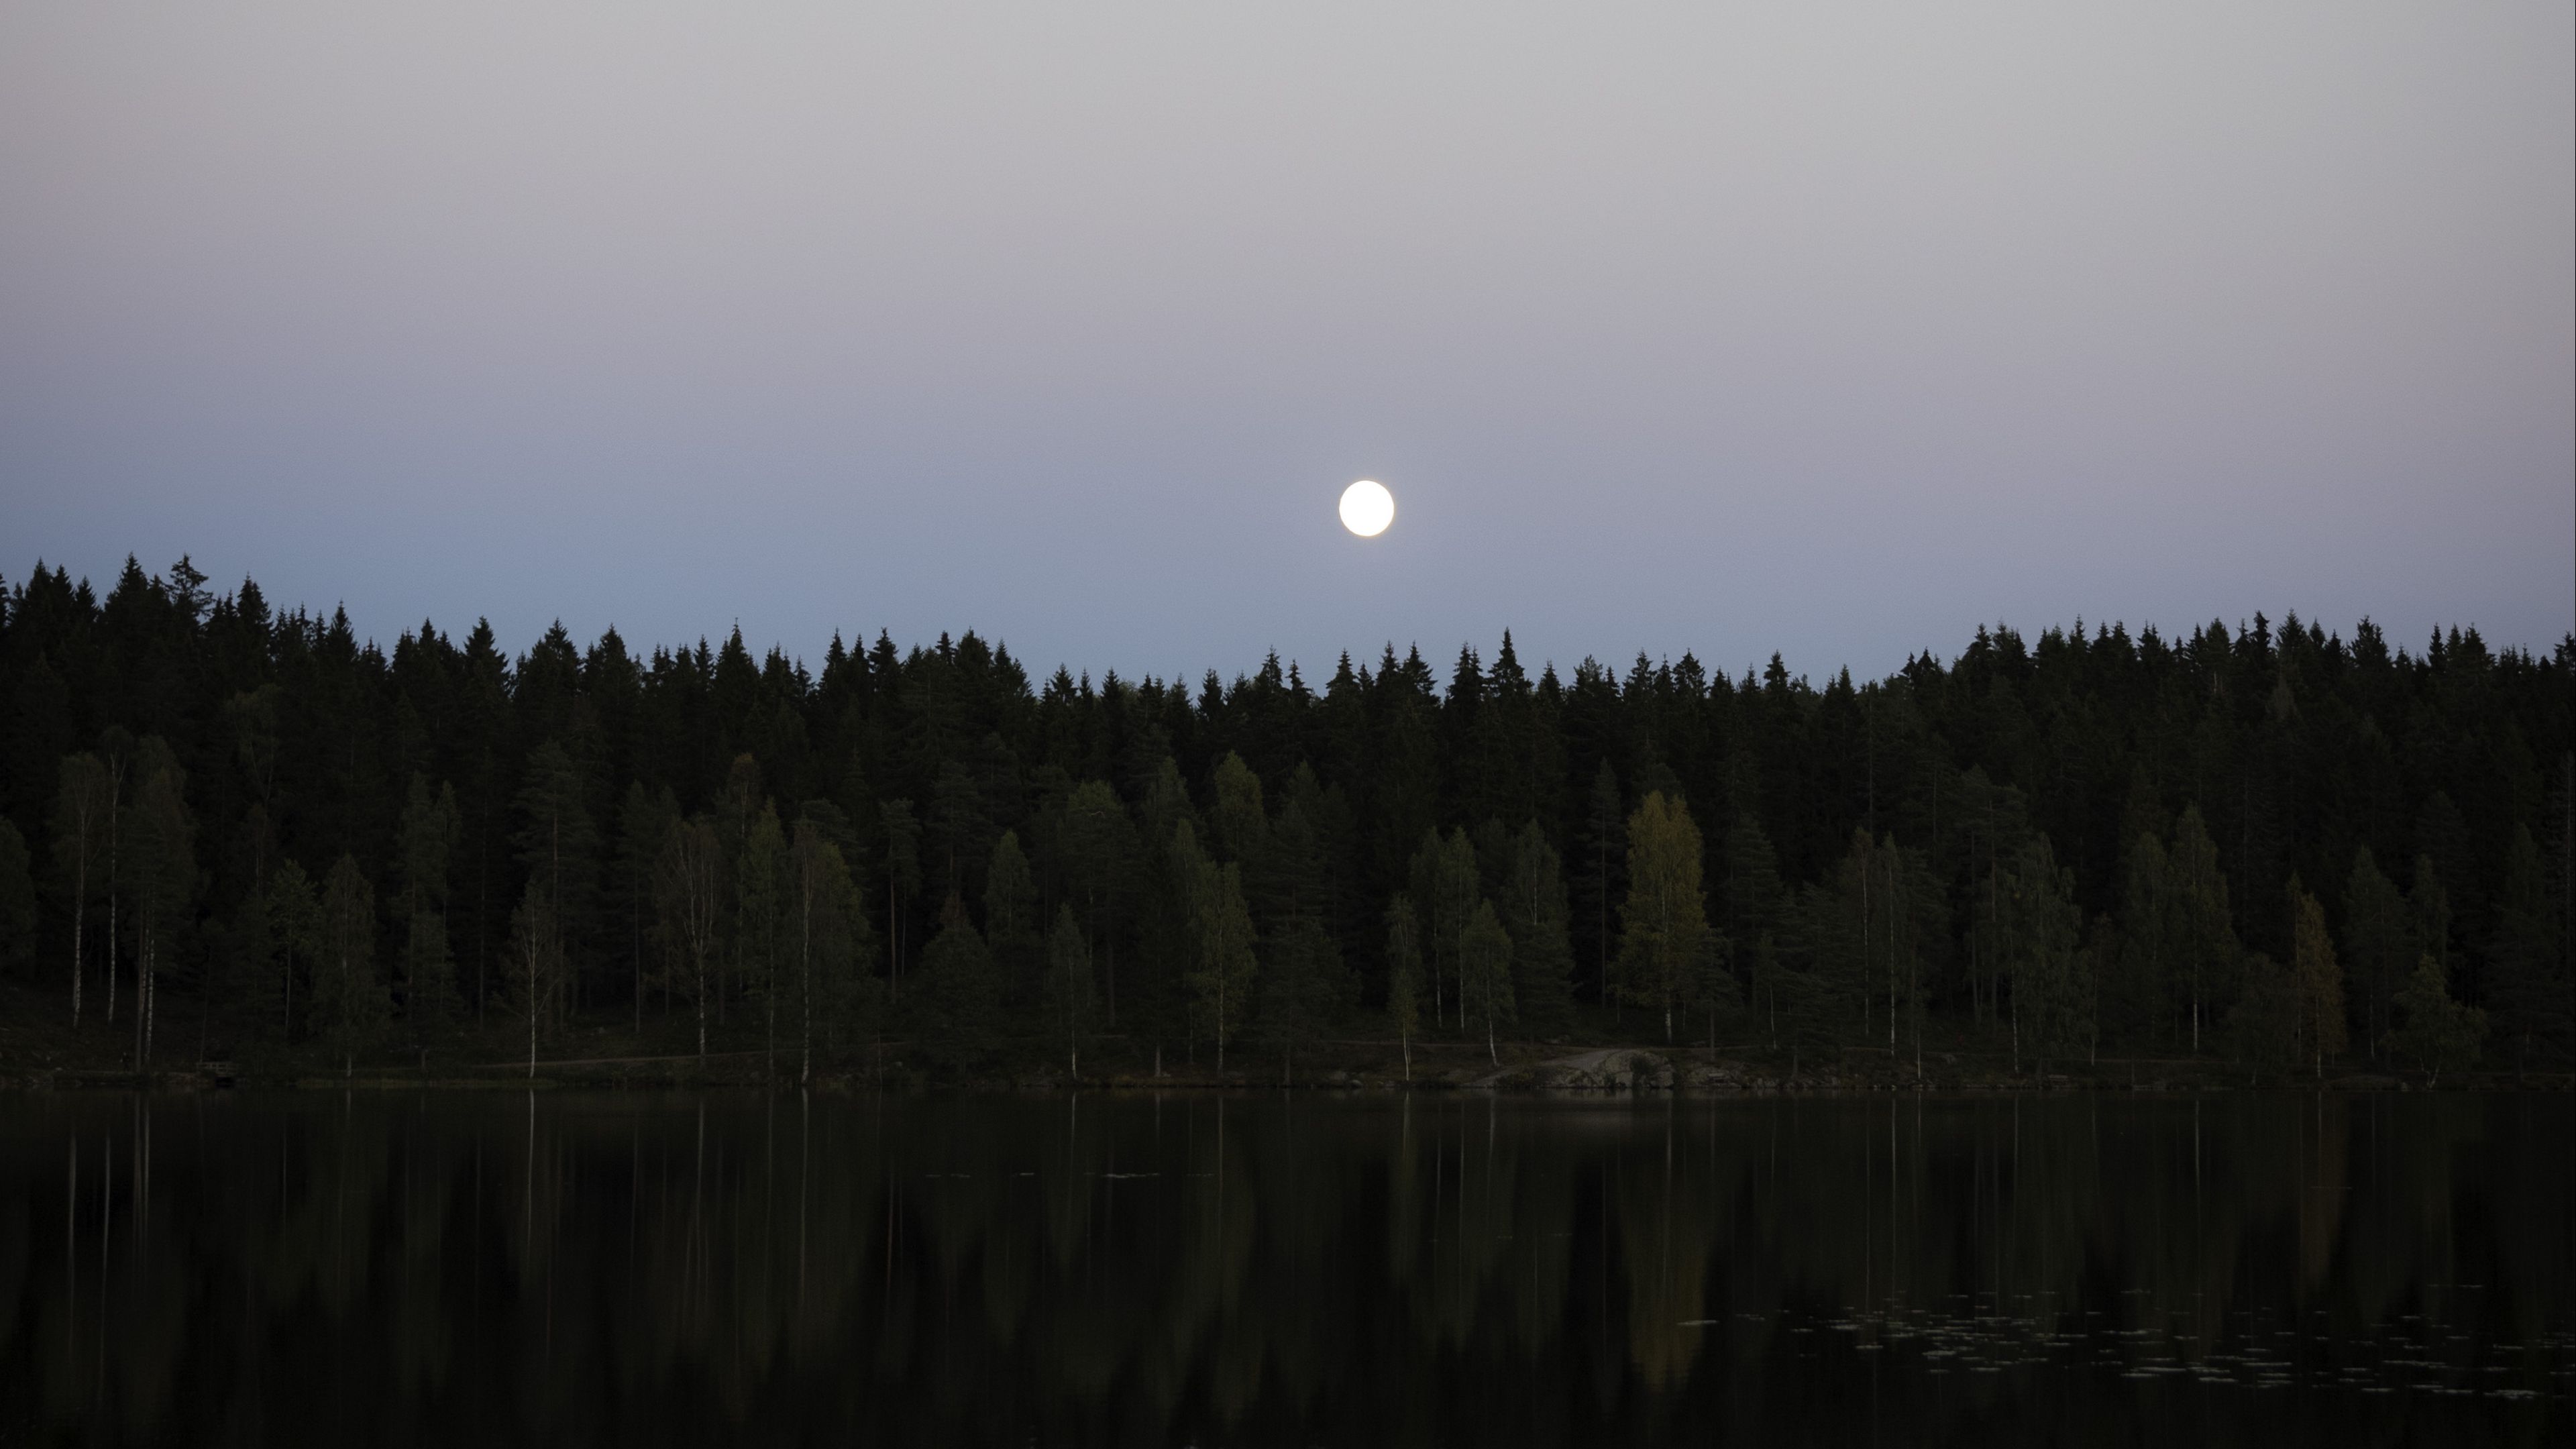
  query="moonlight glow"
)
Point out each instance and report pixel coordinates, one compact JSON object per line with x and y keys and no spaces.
{"x":1367,"y":508}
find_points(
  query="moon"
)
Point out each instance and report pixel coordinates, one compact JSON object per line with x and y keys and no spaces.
{"x":1367,"y":508}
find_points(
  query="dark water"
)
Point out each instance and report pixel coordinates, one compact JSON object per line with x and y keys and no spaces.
{"x":1265,"y":1269}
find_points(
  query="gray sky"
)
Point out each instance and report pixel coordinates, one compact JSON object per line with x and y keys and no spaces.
{"x":1830,"y":329}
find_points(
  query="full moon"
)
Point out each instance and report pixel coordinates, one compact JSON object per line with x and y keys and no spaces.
{"x":1367,"y":508}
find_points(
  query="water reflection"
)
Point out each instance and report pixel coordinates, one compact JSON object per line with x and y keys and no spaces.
{"x":1285,"y":1269}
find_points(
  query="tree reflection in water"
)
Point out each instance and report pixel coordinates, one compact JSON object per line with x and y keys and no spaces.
{"x":1285,"y":1268}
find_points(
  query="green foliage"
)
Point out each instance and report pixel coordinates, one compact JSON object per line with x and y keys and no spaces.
{"x":2435,"y":1031}
{"x":1446,"y":885}
{"x":1485,"y":972}
{"x":1238,"y":819}
{"x":2203,"y":966}
{"x":294,"y":930}
{"x":2317,"y":1027}
{"x":2378,"y":942}
{"x":2036,"y":931}
{"x":17,"y":901}
{"x":2528,"y":997}
{"x":1535,"y":915}
{"x":1404,"y":974}
{"x":1072,"y":998}
{"x":1304,"y":987}
{"x":1664,"y":940}
{"x":350,"y":999}
{"x":2183,"y":780}
{"x":2263,"y":1026}
{"x":430,"y":828}
{"x":83,"y":800}
{"x":1222,"y":980}
{"x":959,"y":1011}
{"x":687,"y":885}
{"x":2137,"y":999}
{"x":1011,"y":902}
{"x":837,"y":998}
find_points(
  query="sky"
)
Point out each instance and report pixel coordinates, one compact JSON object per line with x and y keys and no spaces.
{"x":1831,"y":330}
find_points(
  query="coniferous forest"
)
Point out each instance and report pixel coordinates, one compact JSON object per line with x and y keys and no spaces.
{"x":233,"y":831}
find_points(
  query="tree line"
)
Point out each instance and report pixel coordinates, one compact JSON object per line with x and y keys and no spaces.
{"x":2275,"y":845}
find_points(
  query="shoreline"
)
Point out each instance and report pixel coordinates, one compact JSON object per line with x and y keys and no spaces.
{"x":1599,"y":1074}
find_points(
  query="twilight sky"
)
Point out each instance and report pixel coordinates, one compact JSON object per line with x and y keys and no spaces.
{"x":1830,"y":329}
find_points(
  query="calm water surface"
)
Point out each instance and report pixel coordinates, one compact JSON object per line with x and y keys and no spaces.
{"x":1273,"y":1269}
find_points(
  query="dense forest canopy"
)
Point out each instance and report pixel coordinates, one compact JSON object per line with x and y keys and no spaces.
{"x":2270,"y":842}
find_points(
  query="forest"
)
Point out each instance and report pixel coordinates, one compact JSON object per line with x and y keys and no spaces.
{"x":2270,"y":845}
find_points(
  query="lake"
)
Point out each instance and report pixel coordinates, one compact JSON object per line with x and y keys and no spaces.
{"x":1276,"y":1268}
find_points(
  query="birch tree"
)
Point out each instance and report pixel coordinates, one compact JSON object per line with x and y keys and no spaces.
{"x":352,"y":1000}
{"x":1404,"y":975}
{"x":1485,"y":973}
{"x":1664,"y":931}
{"x":163,"y":866}
{"x":1071,"y":1000}
{"x":686,"y":883}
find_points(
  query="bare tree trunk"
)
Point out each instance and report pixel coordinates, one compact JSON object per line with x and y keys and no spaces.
{"x":142,"y":953}
{"x":151,"y":996}
{"x":805,"y":969}
{"x":115,"y":788}
{"x":80,"y":914}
